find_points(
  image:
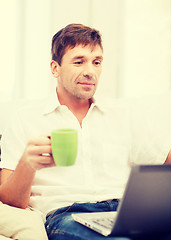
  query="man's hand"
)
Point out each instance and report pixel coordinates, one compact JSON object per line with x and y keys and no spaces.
{"x":38,"y":153}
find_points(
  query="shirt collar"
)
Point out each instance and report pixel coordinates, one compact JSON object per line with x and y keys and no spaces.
{"x":52,"y":103}
{"x":98,"y":103}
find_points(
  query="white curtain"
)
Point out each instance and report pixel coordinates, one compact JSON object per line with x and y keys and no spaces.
{"x":136,"y":39}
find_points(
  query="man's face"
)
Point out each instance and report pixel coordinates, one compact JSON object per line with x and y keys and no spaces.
{"x":79,"y":71}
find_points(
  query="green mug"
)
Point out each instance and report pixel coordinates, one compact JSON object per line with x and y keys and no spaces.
{"x":64,"y":144}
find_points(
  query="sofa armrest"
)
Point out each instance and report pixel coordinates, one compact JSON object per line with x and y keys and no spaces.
{"x":4,"y":238}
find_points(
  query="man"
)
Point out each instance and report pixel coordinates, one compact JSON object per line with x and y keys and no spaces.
{"x":97,"y":180}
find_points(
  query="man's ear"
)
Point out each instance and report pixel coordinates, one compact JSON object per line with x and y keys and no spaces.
{"x":54,"y":68}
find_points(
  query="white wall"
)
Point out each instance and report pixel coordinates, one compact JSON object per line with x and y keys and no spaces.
{"x":146,"y":47}
{"x":136,"y":39}
{"x":7,"y":46}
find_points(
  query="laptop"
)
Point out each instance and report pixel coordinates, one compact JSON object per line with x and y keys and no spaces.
{"x":144,"y":209}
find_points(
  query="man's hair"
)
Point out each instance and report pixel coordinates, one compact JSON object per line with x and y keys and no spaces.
{"x":72,"y":35}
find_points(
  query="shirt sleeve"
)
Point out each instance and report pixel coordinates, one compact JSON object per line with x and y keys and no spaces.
{"x":151,"y":132}
{"x":13,"y":143}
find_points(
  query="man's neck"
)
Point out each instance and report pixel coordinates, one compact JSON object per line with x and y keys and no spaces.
{"x":79,"y":107}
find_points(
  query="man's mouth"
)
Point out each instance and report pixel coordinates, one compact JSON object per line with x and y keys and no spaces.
{"x":86,"y":83}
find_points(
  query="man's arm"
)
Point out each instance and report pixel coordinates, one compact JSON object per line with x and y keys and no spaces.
{"x":168,"y":159}
{"x":16,"y":185}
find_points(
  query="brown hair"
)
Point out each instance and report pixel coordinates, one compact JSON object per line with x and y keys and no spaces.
{"x":72,"y":35}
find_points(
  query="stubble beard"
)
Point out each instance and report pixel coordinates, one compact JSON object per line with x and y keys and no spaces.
{"x":79,"y":92}
{"x":84,"y":94}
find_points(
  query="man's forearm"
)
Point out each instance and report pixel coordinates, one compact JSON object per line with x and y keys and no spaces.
{"x":16,"y":188}
{"x":168,"y":159}
{"x":15,"y":191}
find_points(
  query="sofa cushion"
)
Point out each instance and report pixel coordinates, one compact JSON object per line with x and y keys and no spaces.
{"x":21,"y":224}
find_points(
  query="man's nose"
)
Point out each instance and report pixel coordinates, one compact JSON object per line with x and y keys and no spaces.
{"x":88,"y":72}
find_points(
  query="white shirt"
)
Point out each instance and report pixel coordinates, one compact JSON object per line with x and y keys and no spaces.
{"x":104,"y":153}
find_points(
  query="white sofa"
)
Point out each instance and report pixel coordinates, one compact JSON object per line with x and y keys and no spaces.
{"x":21,"y":224}
{"x":3,"y":238}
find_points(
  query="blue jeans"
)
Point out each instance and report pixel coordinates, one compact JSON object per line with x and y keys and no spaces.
{"x":60,"y":225}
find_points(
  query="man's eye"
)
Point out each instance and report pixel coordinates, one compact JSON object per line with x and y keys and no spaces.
{"x":97,"y":63}
{"x":78,"y":63}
